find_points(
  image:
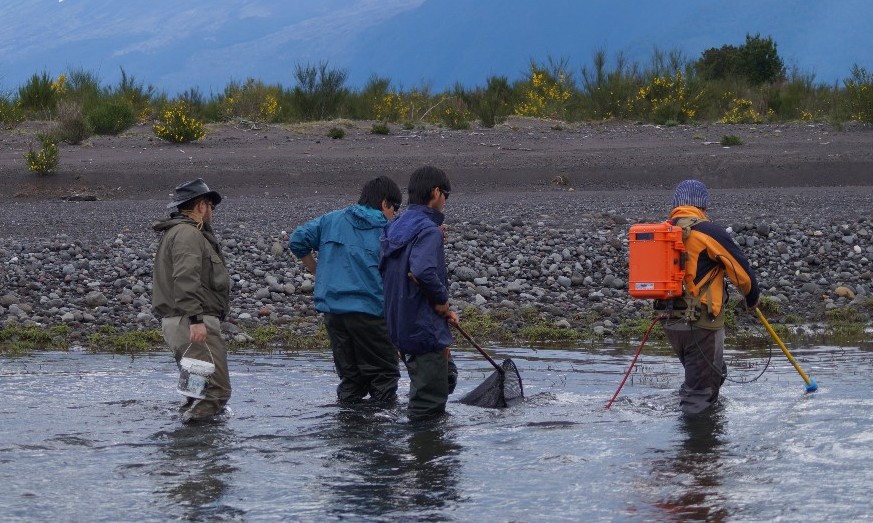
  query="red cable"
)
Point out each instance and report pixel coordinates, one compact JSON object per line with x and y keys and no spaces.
{"x":629,"y":369}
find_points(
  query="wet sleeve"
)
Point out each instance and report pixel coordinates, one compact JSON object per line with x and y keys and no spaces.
{"x":306,"y":238}
{"x":423,"y":265}
{"x":187,"y":254}
{"x":722,"y":247}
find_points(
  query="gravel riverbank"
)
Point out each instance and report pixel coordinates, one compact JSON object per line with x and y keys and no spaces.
{"x":555,"y":257}
{"x":538,"y":218}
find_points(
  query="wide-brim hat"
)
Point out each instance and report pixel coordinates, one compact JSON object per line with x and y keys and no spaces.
{"x":187,"y":191}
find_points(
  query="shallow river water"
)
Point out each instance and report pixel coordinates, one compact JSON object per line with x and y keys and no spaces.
{"x":97,"y":438}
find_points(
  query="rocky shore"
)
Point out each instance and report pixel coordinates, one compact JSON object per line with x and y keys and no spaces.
{"x":556,"y":258}
{"x":533,"y":244}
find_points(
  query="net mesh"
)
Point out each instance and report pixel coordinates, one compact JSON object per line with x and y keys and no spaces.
{"x":499,"y":390}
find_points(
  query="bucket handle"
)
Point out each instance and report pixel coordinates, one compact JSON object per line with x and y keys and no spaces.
{"x":208,"y":350}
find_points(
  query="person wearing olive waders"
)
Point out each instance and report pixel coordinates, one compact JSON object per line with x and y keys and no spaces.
{"x":191,"y":292}
{"x":413,"y":267}
{"x":695,"y":323}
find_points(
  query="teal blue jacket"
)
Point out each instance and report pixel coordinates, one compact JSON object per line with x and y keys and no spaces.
{"x":347,"y":275}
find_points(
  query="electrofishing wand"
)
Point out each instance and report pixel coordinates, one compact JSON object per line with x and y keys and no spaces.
{"x":811,"y":385}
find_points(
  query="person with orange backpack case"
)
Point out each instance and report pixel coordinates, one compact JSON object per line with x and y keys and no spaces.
{"x":694,"y":322}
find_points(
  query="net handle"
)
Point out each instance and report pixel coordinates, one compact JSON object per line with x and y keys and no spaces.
{"x":478,"y":348}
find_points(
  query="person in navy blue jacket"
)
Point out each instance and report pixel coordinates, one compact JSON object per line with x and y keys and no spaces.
{"x":413,"y":267}
{"x":348,"y":289}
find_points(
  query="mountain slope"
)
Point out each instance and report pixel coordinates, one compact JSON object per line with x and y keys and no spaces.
{"x":413,"y":42}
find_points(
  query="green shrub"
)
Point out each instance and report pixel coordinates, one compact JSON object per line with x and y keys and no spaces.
{"x":859,"y":95}
{"x":45,"y":160}
{"x":336,"y":133}
{"x":39,"y":94}
{"x":380,"y":128}
{"x":10,"y":114}
{"x":83,"y":88}
{"x":72,"y":127}
{"x":729,"y":140}
{"x":757,"y":61}
{"x":137,"y":96}
{"x":454,"y":114}
{"x":608,"y":94}
{"x":112,"y":117}
{"x":175,"y":125}
{"x":319,"y":92}
{"x":493,"y":104}
{"x":252,"y":100}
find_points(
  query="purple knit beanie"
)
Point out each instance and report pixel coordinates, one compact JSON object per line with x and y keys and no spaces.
{"x":691,"y":192}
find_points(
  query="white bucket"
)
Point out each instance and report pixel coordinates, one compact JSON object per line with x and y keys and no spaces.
{"x":193,"y":376}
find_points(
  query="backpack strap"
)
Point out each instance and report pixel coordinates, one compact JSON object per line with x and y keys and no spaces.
{"x":693,"y":303}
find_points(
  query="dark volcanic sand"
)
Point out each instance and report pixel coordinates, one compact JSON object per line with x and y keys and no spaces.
{"x":520,"y":156}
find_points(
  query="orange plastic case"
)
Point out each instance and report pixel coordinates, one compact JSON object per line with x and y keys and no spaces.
{"x":656,"y":257}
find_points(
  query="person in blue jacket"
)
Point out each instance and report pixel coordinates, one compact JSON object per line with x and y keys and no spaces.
{"x":348,"y":290}
{"x":413,"y":267}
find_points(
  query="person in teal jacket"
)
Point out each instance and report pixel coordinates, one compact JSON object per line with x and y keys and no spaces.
{"x":348,"y":290}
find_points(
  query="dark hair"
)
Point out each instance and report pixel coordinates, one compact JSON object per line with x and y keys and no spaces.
{"x":378,"y":189}
{"x":423,"y":181}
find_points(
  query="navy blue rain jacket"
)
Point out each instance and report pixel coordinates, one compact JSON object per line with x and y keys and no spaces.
{"x":413,"y":243}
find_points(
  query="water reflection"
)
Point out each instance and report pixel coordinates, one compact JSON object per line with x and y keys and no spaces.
{"x":195,"y":471}
{"x":384,"y":466}
{"x":694,"y":472}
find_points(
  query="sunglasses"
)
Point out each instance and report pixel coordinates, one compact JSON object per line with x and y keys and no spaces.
{"x":396,"y":207}
{"x":445,"y":193}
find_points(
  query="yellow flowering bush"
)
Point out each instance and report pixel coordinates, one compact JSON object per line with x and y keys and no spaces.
{"x":454,"y":114}
{"x":252,"y":100}
{"x":544,"y":95}
{"x":404,"y":106}
{"x":45,"y":159}
{"x":176,"y":125}
{"x":59,"y":85}
{"x":388,"y":107}
{"x":269,"y":108}
{"x":741,"y":110}
{"x":666,"y":98}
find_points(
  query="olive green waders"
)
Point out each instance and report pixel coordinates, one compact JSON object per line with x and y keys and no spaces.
{"x":176,"y":331}
{"x":432,"y":377}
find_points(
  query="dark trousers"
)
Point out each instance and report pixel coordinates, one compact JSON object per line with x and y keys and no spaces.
{"x":364,"y":356}
{"x":701,"y":352}
{"x":432,"y":377}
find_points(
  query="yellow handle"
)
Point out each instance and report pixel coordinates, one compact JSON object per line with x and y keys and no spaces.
{"x":782,"y":346}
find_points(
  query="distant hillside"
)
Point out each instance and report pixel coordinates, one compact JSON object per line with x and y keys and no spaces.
{"x":436,"y":42}
{"x":444,"y":41}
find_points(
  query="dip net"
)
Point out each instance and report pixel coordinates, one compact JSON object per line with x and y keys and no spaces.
{"x":499,"y":390}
